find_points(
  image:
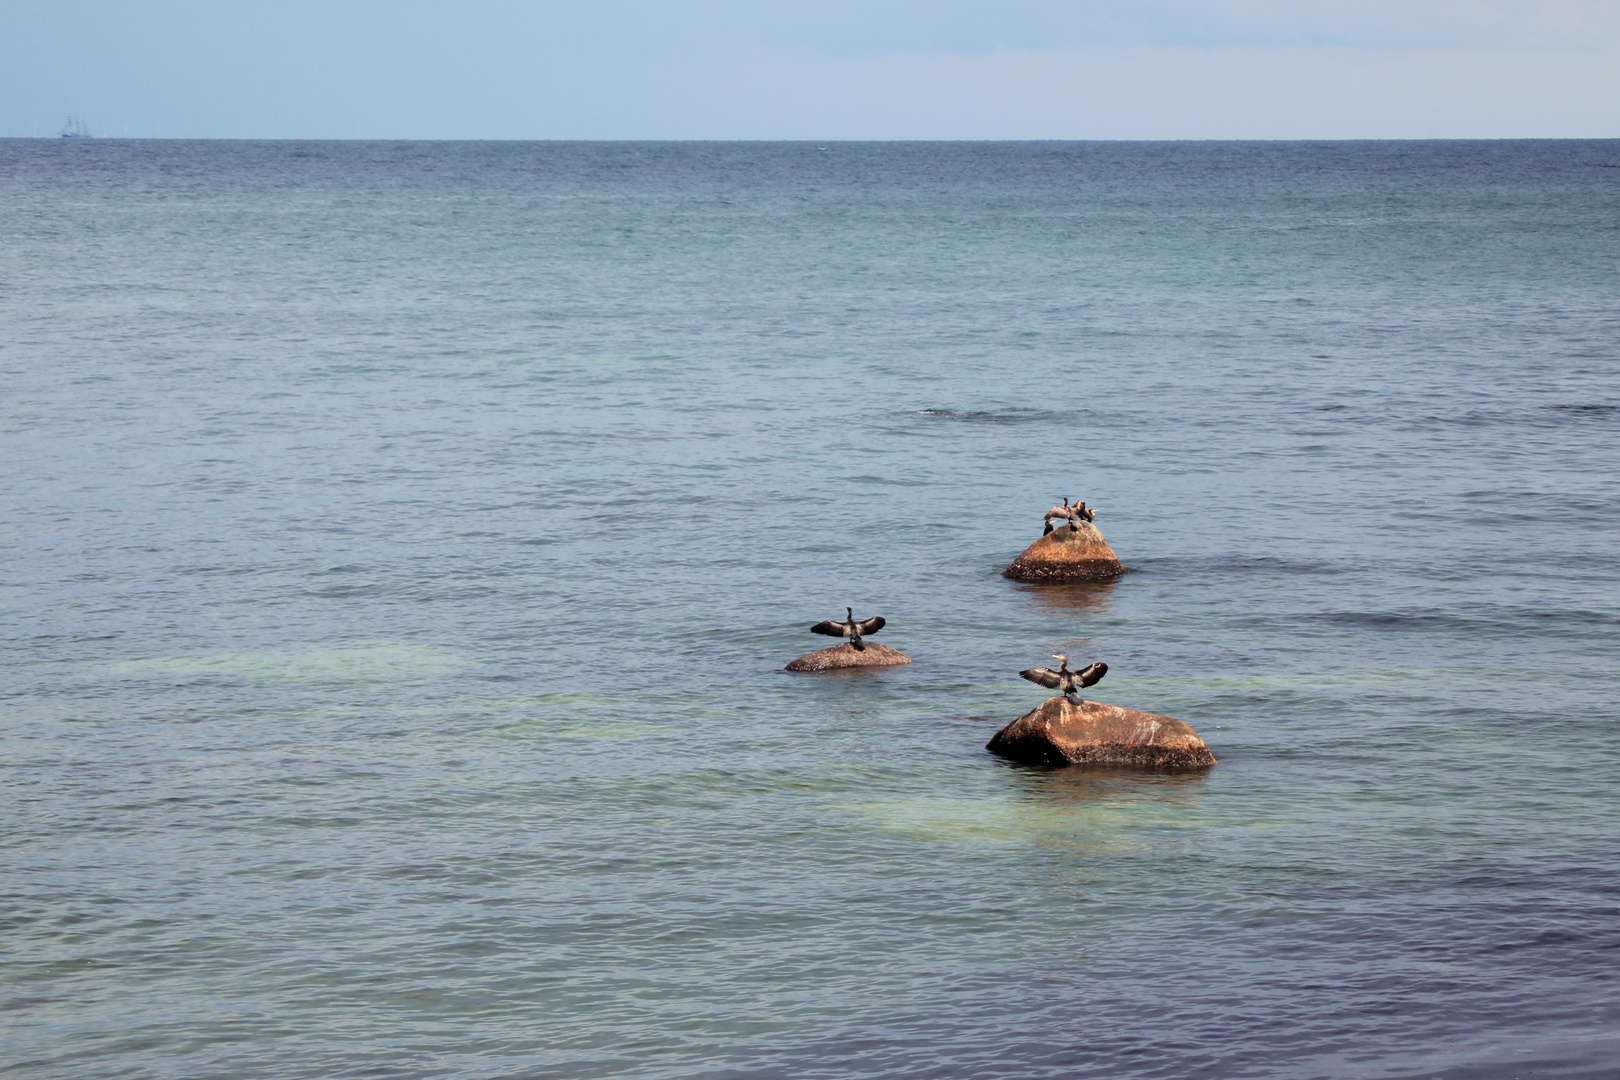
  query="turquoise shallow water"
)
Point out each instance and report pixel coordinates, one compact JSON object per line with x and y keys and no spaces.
{"x":400,"y":545}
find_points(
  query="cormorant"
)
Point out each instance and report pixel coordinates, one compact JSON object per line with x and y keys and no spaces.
{"x":1074,"y":515}
{"x":1066,"y":681}
{"x":850,"y":628}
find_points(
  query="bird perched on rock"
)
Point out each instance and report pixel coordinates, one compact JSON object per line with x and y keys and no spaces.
{"x":1074,"y":515}
{"x":850,"y":628}
{"x":1065,"y":681}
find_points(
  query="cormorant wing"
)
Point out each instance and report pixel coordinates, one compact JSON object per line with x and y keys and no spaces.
{"x":1045,"y":676}
{"x":830,"y":628}
{"x":870,"y":626}
{"x":1092,"y":674}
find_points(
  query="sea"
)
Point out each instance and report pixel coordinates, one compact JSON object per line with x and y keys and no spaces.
{"x":401,"y":544}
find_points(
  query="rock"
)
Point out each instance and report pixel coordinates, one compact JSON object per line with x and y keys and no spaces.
{"x":1067,"y":555}
{"x":1058,"y":733}
{"x":845,"y":656}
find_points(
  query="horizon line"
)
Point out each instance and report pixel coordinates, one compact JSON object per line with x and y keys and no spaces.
{"x":78,"y":139}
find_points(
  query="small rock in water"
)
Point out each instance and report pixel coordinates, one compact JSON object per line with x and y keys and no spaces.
{"x":845,"y":656}
{"x":1067,"y":555}
{"x":1059,"y":733}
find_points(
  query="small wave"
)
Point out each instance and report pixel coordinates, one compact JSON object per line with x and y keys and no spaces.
{"x":1247,"y":564}
{"x":1500,"y":623}
{"x":1545,"y":414}
{"x":887,"y":481}
{"x":987,"y":416}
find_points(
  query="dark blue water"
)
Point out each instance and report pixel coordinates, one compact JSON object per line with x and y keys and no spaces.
{"x":400,"y":545}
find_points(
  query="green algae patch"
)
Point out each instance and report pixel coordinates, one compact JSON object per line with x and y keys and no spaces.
{"x":564,"y":728}
{"x":570,"y":715}
{"x":350,"y":664}
{"x":1106,"y":819}
{"x":950,"y":821}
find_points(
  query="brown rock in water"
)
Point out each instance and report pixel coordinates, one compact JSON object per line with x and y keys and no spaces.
{"x":1058,"y":733}
{"x":845,"y":656}
{"x":1066,"y":555}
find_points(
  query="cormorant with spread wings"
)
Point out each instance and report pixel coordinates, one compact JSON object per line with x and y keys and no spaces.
{"x":1067,"y":682}
{"x":850,"y":628}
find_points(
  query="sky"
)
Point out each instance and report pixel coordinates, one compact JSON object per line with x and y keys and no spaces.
{"x":834,"y":69}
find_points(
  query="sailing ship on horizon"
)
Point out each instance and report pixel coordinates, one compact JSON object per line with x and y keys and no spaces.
{"x":76,"y":129}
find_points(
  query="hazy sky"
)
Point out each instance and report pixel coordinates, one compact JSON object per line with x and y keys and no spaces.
{"x":879,"y":69}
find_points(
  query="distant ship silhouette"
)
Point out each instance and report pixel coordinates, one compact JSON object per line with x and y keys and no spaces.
{"x":76,"y":130}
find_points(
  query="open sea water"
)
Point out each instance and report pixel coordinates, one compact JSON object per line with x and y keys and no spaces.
{"x":400,"y":545}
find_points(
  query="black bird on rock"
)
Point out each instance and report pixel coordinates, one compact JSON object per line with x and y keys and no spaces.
{"x":850,"y":628}
{"x":1069,"y":683}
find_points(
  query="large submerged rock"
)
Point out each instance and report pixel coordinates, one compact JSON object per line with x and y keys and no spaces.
{"x":1067,"y":555}
{"x":845,"y":656}
{"x":1058,"y":733}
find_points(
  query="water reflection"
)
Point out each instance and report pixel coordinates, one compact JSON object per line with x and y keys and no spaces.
{"x":1070,"y":786}
{"x":856,"y":672}
{"x":1090,"y":597}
